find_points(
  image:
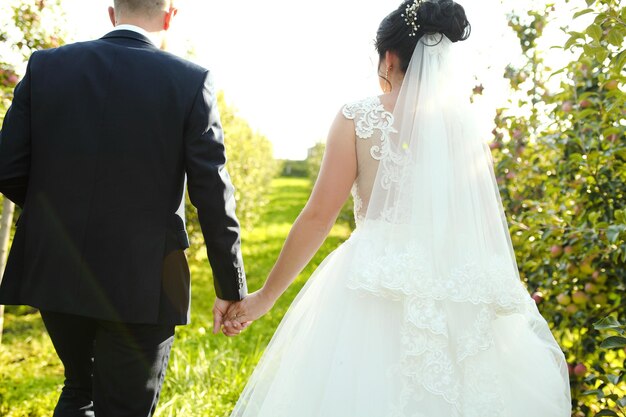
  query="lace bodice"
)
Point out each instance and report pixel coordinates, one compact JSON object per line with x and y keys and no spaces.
{"x":373,"y":125}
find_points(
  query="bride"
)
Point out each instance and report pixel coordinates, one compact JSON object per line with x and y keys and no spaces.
{"x":421,"y":313}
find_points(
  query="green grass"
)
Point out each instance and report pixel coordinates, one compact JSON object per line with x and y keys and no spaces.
{"x":206,"y":372}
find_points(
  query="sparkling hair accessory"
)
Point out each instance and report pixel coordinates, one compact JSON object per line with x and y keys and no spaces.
{"x":410,"y":16}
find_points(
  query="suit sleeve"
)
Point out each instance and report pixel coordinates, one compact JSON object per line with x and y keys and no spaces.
{"x":212,"y":193}
{"x":15,"y":144}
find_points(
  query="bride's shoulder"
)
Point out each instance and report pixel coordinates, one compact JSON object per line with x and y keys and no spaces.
{"x":360,"y":107}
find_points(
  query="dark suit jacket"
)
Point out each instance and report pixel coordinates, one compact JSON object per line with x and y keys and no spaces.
{"x":95,"y":148}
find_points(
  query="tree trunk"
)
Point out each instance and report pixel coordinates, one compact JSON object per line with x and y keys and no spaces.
{"x":8,"y":208}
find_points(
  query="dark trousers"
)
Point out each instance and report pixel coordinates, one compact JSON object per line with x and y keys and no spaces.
{"x":111,"y":369}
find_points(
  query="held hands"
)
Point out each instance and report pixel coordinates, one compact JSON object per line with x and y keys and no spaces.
{"x":219,"y":311}
{"x":236,"y":316}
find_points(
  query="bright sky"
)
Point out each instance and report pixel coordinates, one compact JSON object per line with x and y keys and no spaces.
{"x":287,"y":66}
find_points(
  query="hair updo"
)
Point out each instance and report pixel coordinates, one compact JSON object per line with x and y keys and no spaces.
{"x":432,"y":16}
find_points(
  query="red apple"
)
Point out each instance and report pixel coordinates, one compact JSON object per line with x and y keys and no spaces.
{"x":568,"y":250}
{"x":601,"y":299}
{"x":570,"y":368}
{"x":571,"y":309}
{"x":591,"y":288}
{"x":612,"y":138}
{"x":563,"y":299}
{"x":556,"y":251}
{"x":599,"y":278}
{"x":585,"y":104}
{"x":538,"y":297}
{"x":586,"y":268}
{"x":610,"y":85}
{"x":580,"y":298}
{"x":572,"y":269}
{"x":580,"y":370}
{"x":494,"y":145}
{"x":510,"y":175}
{"x":567,"y":106}
{"x":13,"y":79}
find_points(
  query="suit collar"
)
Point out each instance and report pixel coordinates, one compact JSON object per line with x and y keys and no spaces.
{"x":128,"y":34}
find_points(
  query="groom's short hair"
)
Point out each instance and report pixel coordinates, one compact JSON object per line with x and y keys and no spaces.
{"x":144,"y":7}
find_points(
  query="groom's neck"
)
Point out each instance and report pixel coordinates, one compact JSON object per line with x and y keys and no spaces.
{"x":155,"y":24}
{"x":150,"y":27}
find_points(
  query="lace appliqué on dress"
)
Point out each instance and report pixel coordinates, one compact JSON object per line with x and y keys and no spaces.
{"x":372,"y":116}
{"x":369,"y":115}
{"x":440,"y":355}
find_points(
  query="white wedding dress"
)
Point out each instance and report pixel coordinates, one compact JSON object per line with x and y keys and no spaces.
{"x":398,"y":322}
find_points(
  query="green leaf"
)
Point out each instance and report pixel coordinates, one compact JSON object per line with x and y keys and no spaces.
{"x":613,"y":232}
{"x":593,"y":217}
{"x":601,"y":18}
{"x":614,"y":342}
{"x":597,"y":392}
{"x":582,"y":12}
{"x":606,"y":413}
{"x":612,"y":131}
{"x":590,"y":50}
{"x":588,"y":94}
{"x":621,"y":153}
{"x":615,"y":37}
{"x":595,"y":31}
{"x":613,"y":379}
{"x":609,"y":322}
{"x":601,"y":54}
{"x":620,"y":59}
{"x":586,"y":113}
{"x":562,"y":70}
{"x":572,"y":40}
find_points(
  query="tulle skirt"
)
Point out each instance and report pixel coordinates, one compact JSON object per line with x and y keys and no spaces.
{"x":347,"y":348}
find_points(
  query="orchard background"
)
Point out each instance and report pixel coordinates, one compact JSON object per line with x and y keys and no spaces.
{"x":560,"y":165}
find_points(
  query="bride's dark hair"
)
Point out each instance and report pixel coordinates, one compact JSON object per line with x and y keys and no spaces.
{"x":432,"y":16}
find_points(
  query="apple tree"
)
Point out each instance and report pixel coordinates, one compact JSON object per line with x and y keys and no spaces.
{"x":561,"y":167}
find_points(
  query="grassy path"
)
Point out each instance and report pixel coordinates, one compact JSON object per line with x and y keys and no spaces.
{"x":206,"y":372}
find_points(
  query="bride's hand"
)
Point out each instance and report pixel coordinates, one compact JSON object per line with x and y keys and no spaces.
{"x":241,"y":314}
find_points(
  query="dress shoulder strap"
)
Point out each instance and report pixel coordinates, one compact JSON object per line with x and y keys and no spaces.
{"x":368,"y":114}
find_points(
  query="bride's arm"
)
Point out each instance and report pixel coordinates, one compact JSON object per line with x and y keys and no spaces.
{"x":331,"y":190}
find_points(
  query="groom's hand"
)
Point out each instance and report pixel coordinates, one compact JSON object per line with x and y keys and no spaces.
{"x":219,"y":311}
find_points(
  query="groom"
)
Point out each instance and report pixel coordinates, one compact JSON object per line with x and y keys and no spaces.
{"x":95,"y":149}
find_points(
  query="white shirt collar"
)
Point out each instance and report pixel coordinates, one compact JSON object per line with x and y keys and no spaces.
{"x":153,"y":38}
